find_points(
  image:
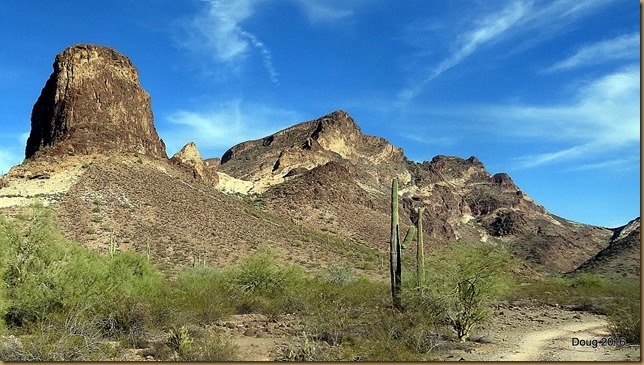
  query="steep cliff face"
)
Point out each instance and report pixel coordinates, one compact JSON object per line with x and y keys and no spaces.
{"x":93,"y":103}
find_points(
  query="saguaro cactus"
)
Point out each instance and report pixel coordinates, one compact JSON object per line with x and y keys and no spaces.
{"x":395,"y":266}
{"x":395,"y":247}
{"x":420,"y":255}
{"x":112,"y":246}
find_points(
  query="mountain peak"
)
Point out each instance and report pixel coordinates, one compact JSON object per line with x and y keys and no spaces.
{"x":307,"y":145}
{"x":93,"y":103}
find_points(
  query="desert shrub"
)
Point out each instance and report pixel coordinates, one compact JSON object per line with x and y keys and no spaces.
{"x":624,"y":318}
{"x":378,"y":349}
{"x":340,"y":274}
{"x":180,"y":341}
{"x":8,"y":235}
{"x":338,"y":313}
{"x":462,"y":282}
{"x":201,"y":296}
{"x":134,"y":297}
{"x":258,"y":284}
{"x":582,"y":291}
{"x":587,"y":281}
{"x":354,"y":321}
{"x":46,"y":275}
{"x":302,"y":348}
{"x":211,"y":346}
{"x":61,"y":337}
{"x":624,"y":313}
{"x":43,"y":273}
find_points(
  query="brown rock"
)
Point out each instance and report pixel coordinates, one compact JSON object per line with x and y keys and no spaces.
{"x":93,"y":103}
{"x":190,"y":158}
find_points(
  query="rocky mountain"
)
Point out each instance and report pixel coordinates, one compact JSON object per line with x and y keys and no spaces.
{"x":326,"y":173}
{"x":622,"y":256}
{"x":93,"y":103}
{"x":318,"y":191}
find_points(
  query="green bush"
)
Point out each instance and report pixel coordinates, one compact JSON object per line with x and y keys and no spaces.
{"x":43,"y":272}
{"x":340,"y":274}
{"x":583,"y":291}
{"x":45,"y":275}
{"x":210,"y":347}
{"x":463,"y":280}
{"x":62,"y":337}
{"x":201,"y":296}
{"x":258,"y":284}
{"x":134,"y":296}
{"x":179,"y":340}
{"x":302,"y":348}
{"x":624,"y":319}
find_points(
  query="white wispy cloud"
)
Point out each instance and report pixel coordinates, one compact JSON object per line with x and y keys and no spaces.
{"x":221,"y":126}
{"x":217,"y":31}
{"x":323,"y":12}
{"x":485,"y":31}
{"x":627,"y":163}
{"x":12,"y":150}
{"x":441,"y":141}
{"x":8,"y":159}
{"x":624,"y":47}
{"x":533,"y":21}
{"x":603,"y":117}
{"x":597,"y":128}
{"x":561,"y":12}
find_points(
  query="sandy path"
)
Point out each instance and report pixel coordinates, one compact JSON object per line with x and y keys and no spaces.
{"x":556,"y":344}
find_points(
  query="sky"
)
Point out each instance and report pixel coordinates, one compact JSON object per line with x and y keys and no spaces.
{"x":547,"y":91}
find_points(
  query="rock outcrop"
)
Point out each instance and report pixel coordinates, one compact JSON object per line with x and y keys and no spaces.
{"x":190,"y":158}
{"x":333,"y":137}
{"x":93,"y":103}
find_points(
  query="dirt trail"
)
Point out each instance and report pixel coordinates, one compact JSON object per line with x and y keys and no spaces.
{"x":542,"y":333}
{"x":556,"y":344}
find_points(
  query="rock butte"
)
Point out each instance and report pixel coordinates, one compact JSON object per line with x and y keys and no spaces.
{"x":93,"y":103}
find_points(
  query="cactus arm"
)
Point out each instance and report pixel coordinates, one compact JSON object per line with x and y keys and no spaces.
{"x":409,"y":237}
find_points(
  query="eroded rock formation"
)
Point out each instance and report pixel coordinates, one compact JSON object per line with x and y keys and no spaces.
{"x":93,"y":103}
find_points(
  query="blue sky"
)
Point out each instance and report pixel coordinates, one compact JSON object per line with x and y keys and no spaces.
{"x":547,"y":91}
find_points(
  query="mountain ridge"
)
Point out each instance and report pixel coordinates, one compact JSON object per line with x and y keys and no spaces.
{"x":321,"y":179}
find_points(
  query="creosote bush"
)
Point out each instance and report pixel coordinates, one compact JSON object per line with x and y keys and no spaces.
{"x":624,"y":319}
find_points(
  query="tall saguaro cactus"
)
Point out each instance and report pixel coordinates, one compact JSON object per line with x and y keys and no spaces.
{"x":420,"y":255}
{"x":395,"y":247}
{"x":395,"y":265}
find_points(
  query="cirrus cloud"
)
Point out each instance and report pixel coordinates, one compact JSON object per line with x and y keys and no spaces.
{"x":624,"y":47}
{"x":217,"y":31}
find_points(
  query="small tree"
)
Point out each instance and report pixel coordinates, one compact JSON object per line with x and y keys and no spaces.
{"x":465,"y":279}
